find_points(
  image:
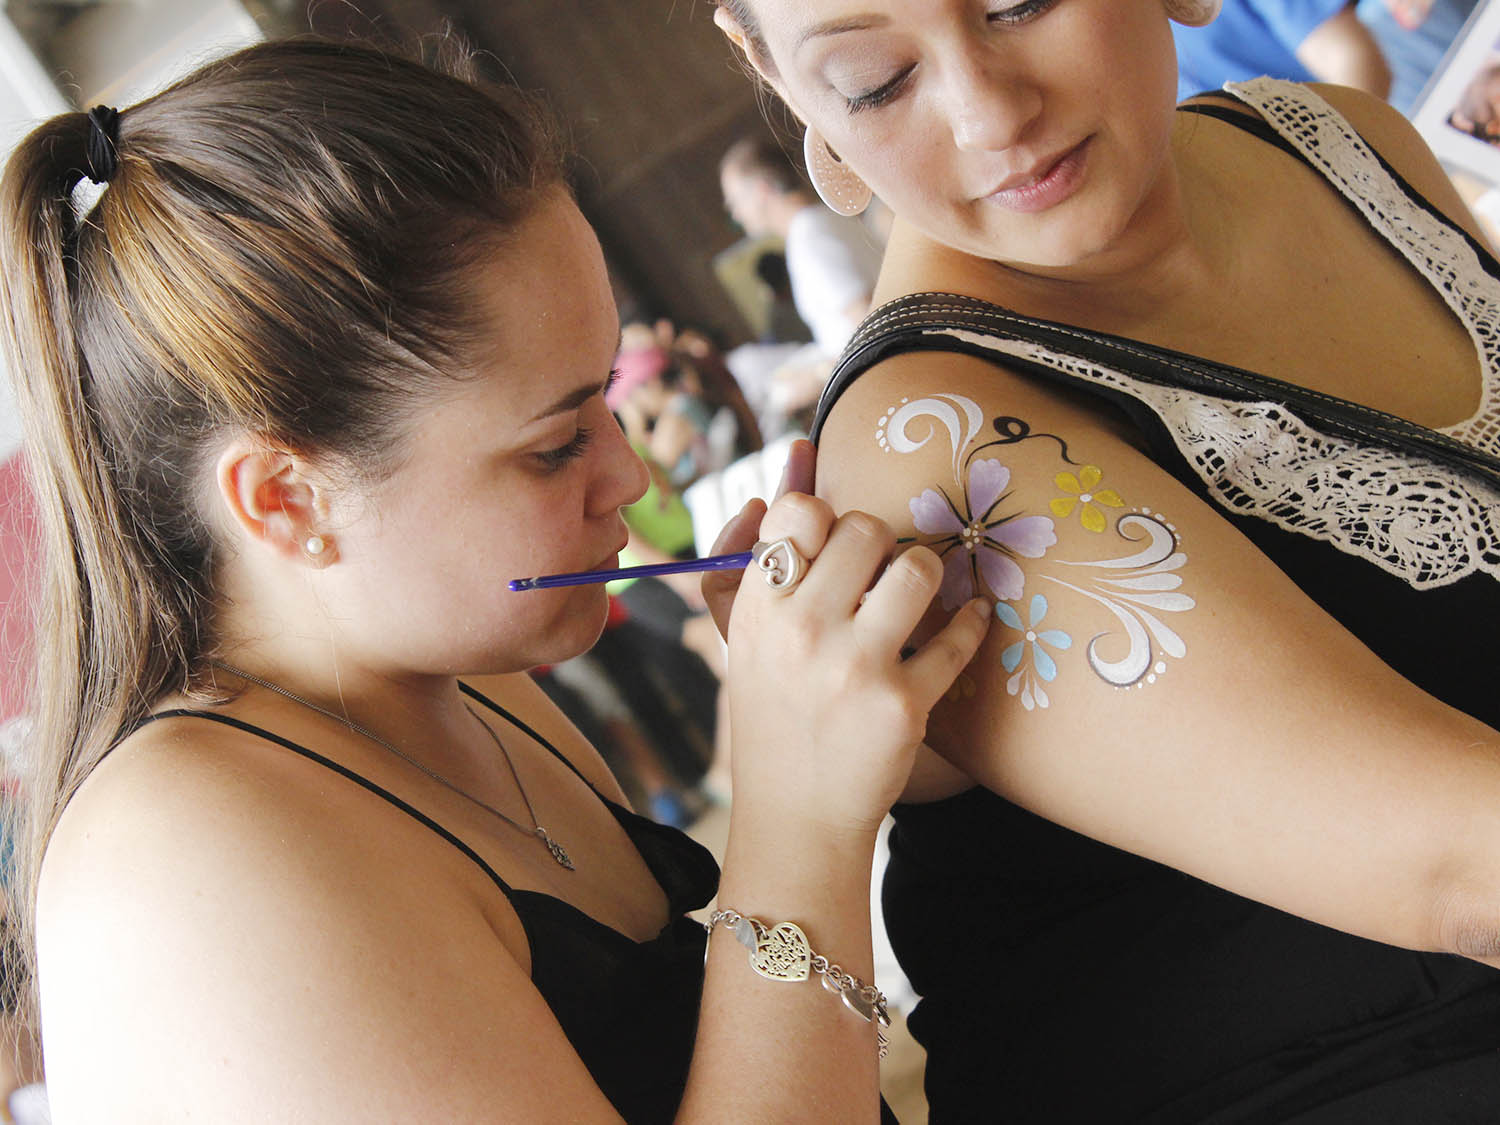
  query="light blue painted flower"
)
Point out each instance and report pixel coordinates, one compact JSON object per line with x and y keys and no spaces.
{"x":1041,"y":659}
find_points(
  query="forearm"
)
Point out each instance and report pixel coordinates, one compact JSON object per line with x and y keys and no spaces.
{"x":1343,"y":51}
{"x":780,"y":1050}
{"x":827,"y":710}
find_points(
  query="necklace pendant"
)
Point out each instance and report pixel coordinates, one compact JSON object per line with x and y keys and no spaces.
{"x":559,"y":853}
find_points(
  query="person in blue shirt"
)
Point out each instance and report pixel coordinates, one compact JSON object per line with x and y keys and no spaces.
{"x":1413,"y":35}
{"x":1303,"y":40}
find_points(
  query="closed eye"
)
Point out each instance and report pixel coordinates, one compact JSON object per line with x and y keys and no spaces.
{"x":555,"y":459}
{"x":1020,"y":13}
{"x":881,"y":95}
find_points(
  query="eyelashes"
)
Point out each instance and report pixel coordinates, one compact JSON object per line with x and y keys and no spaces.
{"x":1020,"y":13}
{"x":1015,"y":15}
{"x":554,"y":459}
{"x":879,"y":96}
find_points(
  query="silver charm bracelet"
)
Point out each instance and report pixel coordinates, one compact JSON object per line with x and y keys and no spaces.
{"x":782,"y":952}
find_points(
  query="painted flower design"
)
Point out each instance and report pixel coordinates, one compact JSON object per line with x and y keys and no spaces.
{"x":1086,"y":494}
{"x":1042,"y":666}
{"x":977,"y":544}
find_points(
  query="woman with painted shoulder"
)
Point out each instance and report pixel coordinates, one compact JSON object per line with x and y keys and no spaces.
{"x":1207,"y":403}
{"x":323,"y":368}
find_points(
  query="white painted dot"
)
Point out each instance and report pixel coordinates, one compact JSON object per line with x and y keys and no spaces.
{"x":891,"y":411}
{"x":1145,"y":511}
{"x":1086,"y":498}
{"x":1161,"y":667}
{"x":1030,"y":636}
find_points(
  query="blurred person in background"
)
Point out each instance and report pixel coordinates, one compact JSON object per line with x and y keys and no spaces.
{"x":831,"y":261}
{"x":1413,"y":36}
{"x":1304,"y":40}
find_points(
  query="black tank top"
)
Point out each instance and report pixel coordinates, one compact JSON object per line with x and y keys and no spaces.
{"x":629,"y":1008}
{"x":1065,"y":981}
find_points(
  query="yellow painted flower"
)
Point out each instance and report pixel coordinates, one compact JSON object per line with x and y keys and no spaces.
{"x":1086,"y":493}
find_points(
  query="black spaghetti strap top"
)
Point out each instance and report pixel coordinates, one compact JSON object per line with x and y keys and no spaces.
{"x":1063,"y":980}
{"x":629,"y":1008}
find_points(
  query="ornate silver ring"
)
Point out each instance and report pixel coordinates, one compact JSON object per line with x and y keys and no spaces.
{"x":781,"y":563}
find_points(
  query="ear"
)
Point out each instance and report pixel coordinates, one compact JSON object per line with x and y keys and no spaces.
{"x":742,"y":42}
{"x":273,"y":500}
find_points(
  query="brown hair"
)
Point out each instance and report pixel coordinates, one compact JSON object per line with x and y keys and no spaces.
{"x":740,"y":10}
{"x":281,"y":250}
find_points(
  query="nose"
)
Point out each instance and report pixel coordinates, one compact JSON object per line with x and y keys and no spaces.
{"x":622,"y":475}
{"x":992,"y":106}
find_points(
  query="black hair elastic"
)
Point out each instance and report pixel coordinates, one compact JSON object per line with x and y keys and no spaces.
{"x":104,"y":133}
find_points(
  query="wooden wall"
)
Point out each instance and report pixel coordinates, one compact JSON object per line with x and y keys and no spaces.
{"x":653,"y":96}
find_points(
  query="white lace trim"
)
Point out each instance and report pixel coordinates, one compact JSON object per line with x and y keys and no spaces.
{"x":1413,"y":518}
{"x":1434,"y":249}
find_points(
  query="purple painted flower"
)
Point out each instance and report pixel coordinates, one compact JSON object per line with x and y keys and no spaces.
{"x":977,"y":544}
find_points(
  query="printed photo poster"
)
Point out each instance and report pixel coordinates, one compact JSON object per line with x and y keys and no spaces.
{"x":1459,"y":112}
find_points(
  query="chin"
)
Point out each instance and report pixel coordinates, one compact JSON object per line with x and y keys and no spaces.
{"x":581,"y":622}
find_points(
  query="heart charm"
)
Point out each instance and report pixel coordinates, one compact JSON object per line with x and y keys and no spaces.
{"x":782,"y":953}
{"x":864,"y":1007}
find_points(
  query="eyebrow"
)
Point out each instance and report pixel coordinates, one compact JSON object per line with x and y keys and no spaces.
{"x":576,"y":398}
{"x":840,"y":26}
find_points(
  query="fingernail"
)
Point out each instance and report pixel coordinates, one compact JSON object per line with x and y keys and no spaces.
{"x":980,"y":608}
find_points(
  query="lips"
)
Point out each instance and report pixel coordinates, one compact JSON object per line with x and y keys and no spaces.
{"x":611,"y":560}
{"x":1045,"y":185}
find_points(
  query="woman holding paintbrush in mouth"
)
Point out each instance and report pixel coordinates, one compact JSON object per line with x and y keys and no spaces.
{"x":323,"y":365}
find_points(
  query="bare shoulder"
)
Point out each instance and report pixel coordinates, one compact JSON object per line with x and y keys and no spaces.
{"x":227,"y":931}
{"x":519,"y":694}
{"x":1394,"y":137}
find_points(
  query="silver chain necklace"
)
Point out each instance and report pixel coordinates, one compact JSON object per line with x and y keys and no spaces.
{"x":557,"y":851}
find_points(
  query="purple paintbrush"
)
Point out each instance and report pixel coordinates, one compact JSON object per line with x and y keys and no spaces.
{"x":737,"y":561}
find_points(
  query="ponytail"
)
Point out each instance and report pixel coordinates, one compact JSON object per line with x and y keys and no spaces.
{"x":99,"y":623}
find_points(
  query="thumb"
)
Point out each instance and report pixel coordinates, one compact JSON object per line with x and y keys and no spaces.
{"x":720,"y":586}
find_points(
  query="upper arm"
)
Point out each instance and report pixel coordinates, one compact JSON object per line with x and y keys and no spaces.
{"x":1153,"y":681}
{"x":217,"y":945}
